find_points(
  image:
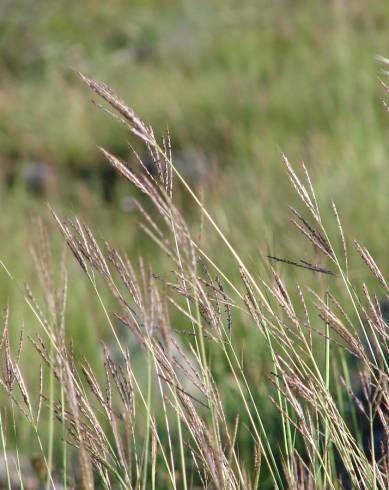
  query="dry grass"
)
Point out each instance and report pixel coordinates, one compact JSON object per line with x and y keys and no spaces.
{"x":171,"y":427}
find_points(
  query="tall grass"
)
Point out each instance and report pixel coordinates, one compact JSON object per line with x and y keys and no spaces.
{"x":171,"y":423}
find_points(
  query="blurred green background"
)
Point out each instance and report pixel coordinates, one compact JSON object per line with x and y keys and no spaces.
{"x":236,"y":82}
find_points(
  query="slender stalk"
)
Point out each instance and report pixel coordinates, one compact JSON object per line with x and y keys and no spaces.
{"x":3,"y":443}
{"x":327,"y":384}
{"x":147,"y":437}
{"x":51,"y":421}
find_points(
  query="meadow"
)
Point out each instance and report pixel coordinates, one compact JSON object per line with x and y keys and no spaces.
{"x":208,"y":325}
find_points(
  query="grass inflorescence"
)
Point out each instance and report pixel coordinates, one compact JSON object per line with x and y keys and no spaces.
{"x":180,"y":398}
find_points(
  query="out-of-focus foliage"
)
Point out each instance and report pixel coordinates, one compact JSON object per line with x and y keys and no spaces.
{"x":239,"y":79}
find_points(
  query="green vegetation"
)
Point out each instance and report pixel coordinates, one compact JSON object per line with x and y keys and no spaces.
{"x":237,"y":83}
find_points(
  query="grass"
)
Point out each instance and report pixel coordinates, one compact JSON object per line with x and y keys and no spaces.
{"x":178,"y":422}
{"x":239,"y":88}
{"x":206,"y":68}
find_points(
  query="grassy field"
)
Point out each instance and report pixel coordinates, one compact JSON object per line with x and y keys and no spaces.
{"x":238,"y":84}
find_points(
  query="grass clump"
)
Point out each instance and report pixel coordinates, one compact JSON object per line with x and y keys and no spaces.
{"x":191,"y":411}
